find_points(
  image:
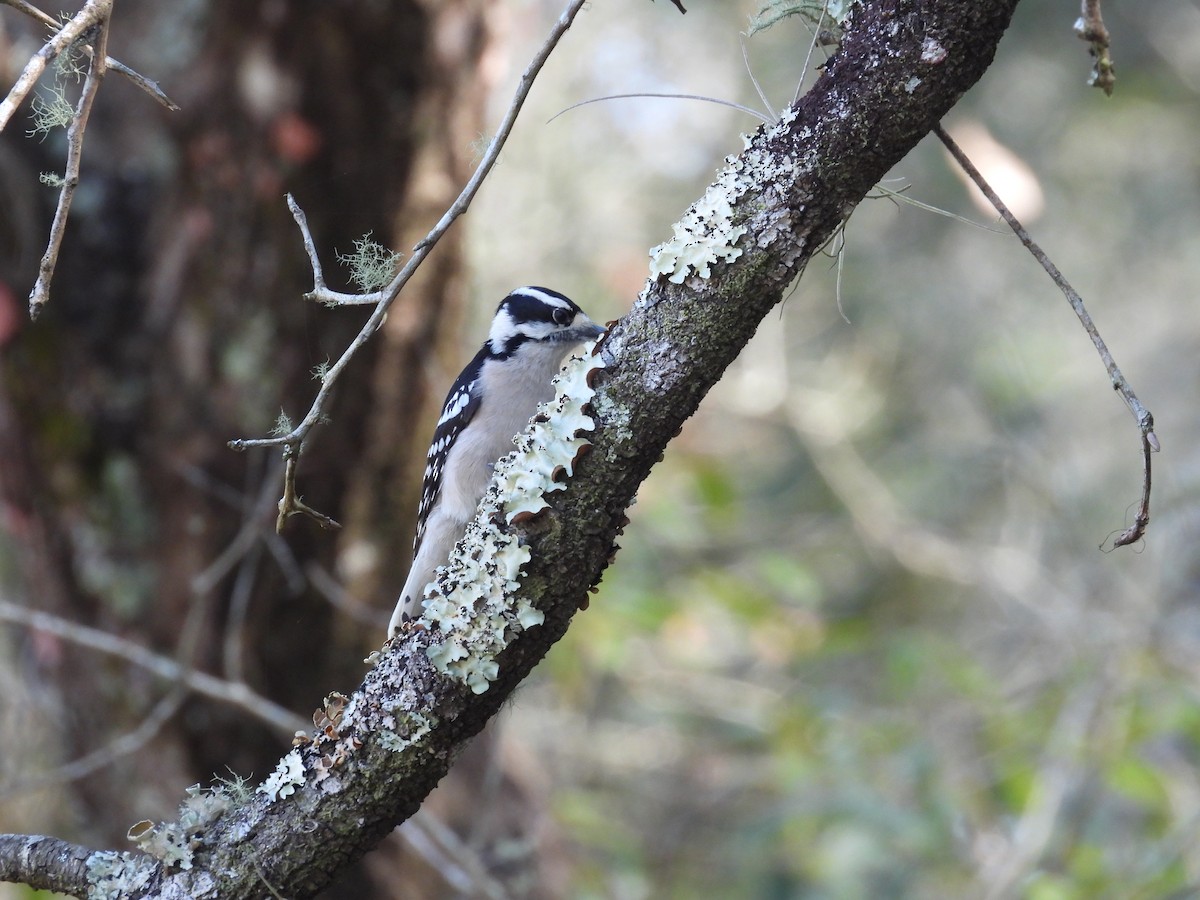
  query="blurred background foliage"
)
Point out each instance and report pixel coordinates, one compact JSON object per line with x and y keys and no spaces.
{"x":865,"y":637}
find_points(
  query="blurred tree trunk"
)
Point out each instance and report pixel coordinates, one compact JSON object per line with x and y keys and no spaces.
{"x":176,"y":323}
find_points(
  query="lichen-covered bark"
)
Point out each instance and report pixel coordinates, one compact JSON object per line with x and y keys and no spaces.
{"x":46,"y":862}
{"x":901,"y":67}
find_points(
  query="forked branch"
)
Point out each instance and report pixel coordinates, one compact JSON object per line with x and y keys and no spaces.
{"x":87,"y":29}
{"x":148,"y":85}
{"x":93,"y":13}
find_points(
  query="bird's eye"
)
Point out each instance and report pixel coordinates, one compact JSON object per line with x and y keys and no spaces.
{"x":562,"y":316}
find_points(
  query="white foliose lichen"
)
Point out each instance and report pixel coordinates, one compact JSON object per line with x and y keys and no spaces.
{"x":288,"y":775}
{"x":705,"y":235}
{"x":407,"y":728}
{"x":113,"y":876}
{"x":174,"y":843}
{"x":478,"y":614}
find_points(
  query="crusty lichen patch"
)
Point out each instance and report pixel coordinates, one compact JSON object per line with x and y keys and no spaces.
{"x":474,"y":604}
{"x":113,"y":876}
{"x":403,"y":729}
{"x":288,"y":775}
{"x":705,"y":235}
{"x":175,"y":842}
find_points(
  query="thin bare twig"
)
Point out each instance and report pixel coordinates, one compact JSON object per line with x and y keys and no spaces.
{"x":146,"y":84}
{"x":93,"y":12}
{"x":41,"y":288}
{"x":290,"y":503}
{"x":320,"y":292}
{"x":812,"y":46}
{"x":1090,"y":27}
{"x":88,"y":27}
{"x":900,"y":197}
{"x":762,"y":95}
{"x":762,"y":117}
{"x":1144,"y":419}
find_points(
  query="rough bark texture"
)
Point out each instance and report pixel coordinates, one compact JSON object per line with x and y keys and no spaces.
{"x":901,"y":67}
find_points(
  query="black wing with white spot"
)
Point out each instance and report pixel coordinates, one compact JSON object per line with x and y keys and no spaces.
{"x":460,"y":407}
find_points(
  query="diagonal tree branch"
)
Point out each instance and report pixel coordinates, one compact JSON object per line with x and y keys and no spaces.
{"x":902,"y":65}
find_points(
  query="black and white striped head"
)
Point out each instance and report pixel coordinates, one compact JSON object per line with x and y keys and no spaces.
{"x":539,"y":315}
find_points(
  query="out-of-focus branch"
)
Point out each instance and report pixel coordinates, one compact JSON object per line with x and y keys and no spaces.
{"x":1062,"y":770}
{"x":342,"y":600}
{"x":123,"y":745}
{"x":454,"y":859}
{"x":133,"y":740}
{"x":883,"y":523}
{"x":1144,"y":419}
{"x":234,"y":693}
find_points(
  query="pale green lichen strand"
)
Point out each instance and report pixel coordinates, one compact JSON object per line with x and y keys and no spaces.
{"x":478,"y":613}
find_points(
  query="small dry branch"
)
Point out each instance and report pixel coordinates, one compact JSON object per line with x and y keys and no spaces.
{"x":93,"y":13}
{"x":89,"y":30}
{"x":290,"y":503}
{"x":1144,"y":419}
{"x":40,"y":294}
{"x":320,"y":292}
{"x":1090,"y":27}
{"x":149,"y":86}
